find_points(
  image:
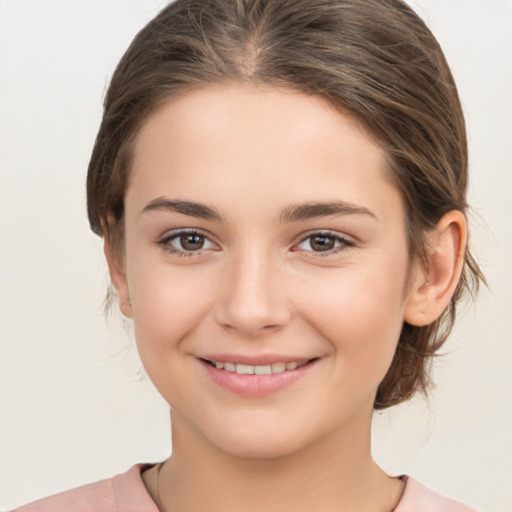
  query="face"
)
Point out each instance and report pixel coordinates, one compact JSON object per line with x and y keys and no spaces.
{"x":266,"y":267}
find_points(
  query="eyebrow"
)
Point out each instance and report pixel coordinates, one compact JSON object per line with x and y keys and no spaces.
{"x":292,"y":213}
{"x":307,"y":211}
{"x":201,"y":211}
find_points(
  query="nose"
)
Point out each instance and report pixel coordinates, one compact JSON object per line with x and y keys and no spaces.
{"x":253,"y":300}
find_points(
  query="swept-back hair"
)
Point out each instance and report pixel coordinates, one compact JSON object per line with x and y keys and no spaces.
{"x":374,"y":60}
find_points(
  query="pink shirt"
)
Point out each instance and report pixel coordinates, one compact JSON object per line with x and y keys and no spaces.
{"x":126,"y":493}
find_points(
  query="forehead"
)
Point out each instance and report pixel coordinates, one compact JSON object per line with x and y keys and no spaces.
{"x":246,"y":111}
{"x":242,"y":141}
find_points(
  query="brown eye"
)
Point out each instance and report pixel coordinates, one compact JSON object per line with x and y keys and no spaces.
{"x":186,"y":243}
{"x":191,"y":241}
{"x":329,"y":243}
{"x":321,"y":243}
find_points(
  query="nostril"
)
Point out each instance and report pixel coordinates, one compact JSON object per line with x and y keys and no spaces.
{"x":270,"y":327}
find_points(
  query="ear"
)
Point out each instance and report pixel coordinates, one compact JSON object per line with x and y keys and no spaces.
{"x":433,"y":287}
{"x":118,"y":278}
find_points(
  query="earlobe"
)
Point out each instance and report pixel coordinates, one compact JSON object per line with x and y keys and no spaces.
{"x":118,"y":278}
{"x":433,"y":287}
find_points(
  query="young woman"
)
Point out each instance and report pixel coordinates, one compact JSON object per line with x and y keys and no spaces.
{"x":281,"y":189}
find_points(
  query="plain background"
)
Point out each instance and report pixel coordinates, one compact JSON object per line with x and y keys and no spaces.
{"x":74,"y":405}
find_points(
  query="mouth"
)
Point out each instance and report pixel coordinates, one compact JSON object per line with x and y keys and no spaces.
{"x":266,"y":369}
{"x":256,"y":380}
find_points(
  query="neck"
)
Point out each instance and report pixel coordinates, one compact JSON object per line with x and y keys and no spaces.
{"x":337,"y":473}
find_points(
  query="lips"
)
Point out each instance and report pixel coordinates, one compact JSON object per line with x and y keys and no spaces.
{"x":266,"y":369}
{"x":250,"y":377}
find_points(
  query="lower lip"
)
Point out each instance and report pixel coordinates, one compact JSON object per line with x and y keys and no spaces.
{"x":256,"y":385}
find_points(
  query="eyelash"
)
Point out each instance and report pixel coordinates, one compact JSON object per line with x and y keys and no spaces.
{"x":166,"y":243}
{"x":344,"y":243}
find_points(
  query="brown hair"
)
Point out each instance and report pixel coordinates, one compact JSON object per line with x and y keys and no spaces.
{"x":374,"y":59}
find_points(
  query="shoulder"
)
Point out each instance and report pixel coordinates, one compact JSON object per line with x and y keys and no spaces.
{"x":124,"y":492}
{"x":418,"y":498}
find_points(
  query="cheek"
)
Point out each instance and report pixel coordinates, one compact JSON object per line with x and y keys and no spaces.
{"x":167,"y":302}
{"x":360,"y":313}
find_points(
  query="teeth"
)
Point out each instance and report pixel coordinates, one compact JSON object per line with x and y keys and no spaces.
{"x":263,"y":370}
{"x":278,"y":367}
{"x":247,"y":369}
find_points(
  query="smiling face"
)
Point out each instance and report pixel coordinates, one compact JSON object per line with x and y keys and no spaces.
{"x":261,"y":231}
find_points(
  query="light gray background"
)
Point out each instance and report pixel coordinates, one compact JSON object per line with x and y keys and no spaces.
{"x":73,"y":407}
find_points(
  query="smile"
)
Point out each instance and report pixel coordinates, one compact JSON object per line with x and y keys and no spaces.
{"x":247,"y":369}
{"x":256,"y":380}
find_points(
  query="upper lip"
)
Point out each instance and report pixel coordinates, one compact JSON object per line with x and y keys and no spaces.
{"x":259,"y":360}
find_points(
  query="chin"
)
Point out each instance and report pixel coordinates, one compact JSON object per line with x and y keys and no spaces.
{"x":260,"y":449}
{"x":257,"y":442}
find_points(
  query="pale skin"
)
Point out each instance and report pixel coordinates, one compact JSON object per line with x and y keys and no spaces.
{"x":261,"y":272}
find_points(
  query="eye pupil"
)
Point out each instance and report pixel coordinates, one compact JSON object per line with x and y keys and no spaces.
{"x":192,"y":242}
{"x":322,"y":243}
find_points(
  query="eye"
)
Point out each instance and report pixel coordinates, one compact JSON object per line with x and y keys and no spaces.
{"x":324,"y":242}
{"x":186,"y":243}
